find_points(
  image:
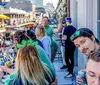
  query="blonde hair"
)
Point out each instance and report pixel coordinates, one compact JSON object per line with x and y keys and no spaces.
{"x":30,"y":67}
{"x":41,"y":29}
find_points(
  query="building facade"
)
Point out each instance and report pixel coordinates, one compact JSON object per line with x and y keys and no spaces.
{"x":85,"y":13}
{"x":61,"y":9}
{"x":20,"y":4}
{"x":17,"y":17}
{"x":38,"y":3}
{"x":49,"y":7}
{"x":4,"y":0}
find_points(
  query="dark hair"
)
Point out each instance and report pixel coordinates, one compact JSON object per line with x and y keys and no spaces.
{"x":95,"y":56}
{"x":20,"y":36}
{"x":64,"y":22}
{"x":31,"y":34}
{"x":85,"y":32}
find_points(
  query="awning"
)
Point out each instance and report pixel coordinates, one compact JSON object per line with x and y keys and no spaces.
{"x":2,"y":16}
{"x":2,"y":29}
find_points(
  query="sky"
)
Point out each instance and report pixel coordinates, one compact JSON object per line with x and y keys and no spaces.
{"x":53,"y":1}
{"x":46,"y":1}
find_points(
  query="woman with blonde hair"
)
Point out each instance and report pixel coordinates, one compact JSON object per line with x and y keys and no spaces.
{"x":46,"y":41}
{"x":20,"y":40}
{"x":30,"y":70}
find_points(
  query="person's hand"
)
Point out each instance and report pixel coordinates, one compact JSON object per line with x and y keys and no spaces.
{"x":4,"y":68}
{"x":79,"y":80}
{"x":1,"y":74}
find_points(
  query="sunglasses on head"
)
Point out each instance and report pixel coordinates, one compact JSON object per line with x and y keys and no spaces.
{"x":76,"y":34}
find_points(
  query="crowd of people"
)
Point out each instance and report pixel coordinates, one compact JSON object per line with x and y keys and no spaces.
{"x":40,"y":52}
{"x":36,"y":50}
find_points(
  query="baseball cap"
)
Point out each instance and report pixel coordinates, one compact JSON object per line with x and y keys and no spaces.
{"x":64,"y":21}
{"x":68,"y":19}
{"x":85,"y":32}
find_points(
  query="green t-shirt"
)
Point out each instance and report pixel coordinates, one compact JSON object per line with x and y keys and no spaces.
{"x":49,"y":32}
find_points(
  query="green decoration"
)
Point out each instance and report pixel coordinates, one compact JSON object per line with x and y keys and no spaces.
{"x":27,"y":42}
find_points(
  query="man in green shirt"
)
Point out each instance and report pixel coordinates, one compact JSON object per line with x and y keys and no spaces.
{"x":50,"y":31}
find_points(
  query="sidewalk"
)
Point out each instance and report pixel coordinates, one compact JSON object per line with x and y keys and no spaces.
{"x":61,"y":74}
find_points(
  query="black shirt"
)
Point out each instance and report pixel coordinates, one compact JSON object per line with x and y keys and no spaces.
{"x":68,"y":31}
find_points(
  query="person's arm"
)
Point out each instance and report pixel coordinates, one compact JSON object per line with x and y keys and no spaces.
{"x":1,"y":74}
{"x":60,"y":27}
{"x":55,"y":82}
{"x":6,"y":69}
{"x":64,"y":35}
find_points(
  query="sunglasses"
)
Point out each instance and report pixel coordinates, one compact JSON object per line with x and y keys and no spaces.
{"x":76,"y":34}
